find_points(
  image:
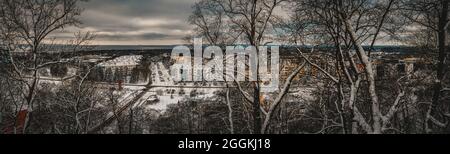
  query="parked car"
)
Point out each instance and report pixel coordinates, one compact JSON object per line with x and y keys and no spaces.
{"x":152,"y":100}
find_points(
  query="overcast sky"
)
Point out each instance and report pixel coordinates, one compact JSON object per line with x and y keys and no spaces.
{"x":135,"y":22}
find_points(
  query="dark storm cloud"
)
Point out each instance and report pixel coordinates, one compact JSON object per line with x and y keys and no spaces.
{"x":137,"y":19}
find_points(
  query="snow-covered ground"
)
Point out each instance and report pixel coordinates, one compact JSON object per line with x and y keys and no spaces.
{"x":164,"y":91}
{"x":123,"y":61}
{"x":166,"y":95}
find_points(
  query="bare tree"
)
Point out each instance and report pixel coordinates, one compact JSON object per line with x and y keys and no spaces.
{"x":25,"y":30}
{"x":81,"y":98}
{"x":347,"y":25}
{"x":433,"y":16}
{"x":252,"y":22}
{"x":210,"y":22}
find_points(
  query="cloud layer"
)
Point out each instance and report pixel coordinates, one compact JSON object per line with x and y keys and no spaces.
{"x":135,"y":22}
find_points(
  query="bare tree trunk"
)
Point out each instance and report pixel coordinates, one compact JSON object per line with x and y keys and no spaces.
{"x":442,"y":43}
{"x":230,"y":111}
{"x":130,"y":127}
{"x":377,"y":115}
{"x":280,"y":97}
{"x":32,"y":88}
{"x":256,"y":109}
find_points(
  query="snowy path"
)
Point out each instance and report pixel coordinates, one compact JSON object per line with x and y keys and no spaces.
{"x":165,"y":73}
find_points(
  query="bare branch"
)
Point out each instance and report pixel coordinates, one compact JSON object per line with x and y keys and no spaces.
{"x":318,"y":67}
{"x":280,"y":96}
{"x":394,"y":108}
{"x":437,"y":122}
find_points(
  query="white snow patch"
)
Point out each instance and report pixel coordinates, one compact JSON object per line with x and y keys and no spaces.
{"x":123,"y":61}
